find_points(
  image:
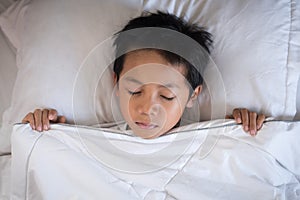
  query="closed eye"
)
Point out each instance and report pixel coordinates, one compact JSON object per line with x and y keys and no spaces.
{"x":168,"y":98}
{"x":134,"y":93}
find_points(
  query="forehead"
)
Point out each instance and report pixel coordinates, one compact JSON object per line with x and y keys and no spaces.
{"x":148,"y":66}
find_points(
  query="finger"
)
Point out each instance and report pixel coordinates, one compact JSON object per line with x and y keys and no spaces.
{"x":38,"y":119}
{"x":245,"y":119}
{"x":237,"y":115}
{"x":45,"y":120}
{"x":252,"y":121}
{"x":29,"y":118}
{"x":61,"y":119}
{"x":260,"y":120}
{"x":52,"y":115}
{"x":228,"y":117}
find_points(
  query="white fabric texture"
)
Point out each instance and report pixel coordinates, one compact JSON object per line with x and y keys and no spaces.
{"x":4,"y":4}
{"x":5,"y":177}
{"x":8,"y":68}
{"x":8,"y":73}
{"x":206,"y":160}
{"x":256,"y":54}
{"x":297,"y":116}
{"x":256,"y":51}
{"x":295,"y":53}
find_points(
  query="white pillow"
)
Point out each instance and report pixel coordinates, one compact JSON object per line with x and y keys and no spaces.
{"x":255,"y":50}
{"x":8,"y":68}
{"x":8,"y":73}
{"x":4,"y":4}
{"x":52,"y":39}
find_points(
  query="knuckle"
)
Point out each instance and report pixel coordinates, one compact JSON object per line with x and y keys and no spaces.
{"x":45,"y":110}
{"x":236,"y":110}
{"x":45,"y":113}
{"x":53,"y":112}
{"x":244,"y":110}
{"x":37,"y":110}
{"x":28,"y":116}
{"x":252,"y":113}
{"x":62,"y":119}
{"x":227,"y":116}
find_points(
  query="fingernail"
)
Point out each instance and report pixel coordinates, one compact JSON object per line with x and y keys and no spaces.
{"x":239,"y":120}
{"x":252,"y":132}
{"x":45,"y":127}
{"x":246,"y":128}
{"x":257,"y":127}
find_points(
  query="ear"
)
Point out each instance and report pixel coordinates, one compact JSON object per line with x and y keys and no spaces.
{"x":116,"y":84}
{"x":194,"y":96}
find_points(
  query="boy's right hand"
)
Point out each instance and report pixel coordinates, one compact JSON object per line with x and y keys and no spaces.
{"x":40,"y":119}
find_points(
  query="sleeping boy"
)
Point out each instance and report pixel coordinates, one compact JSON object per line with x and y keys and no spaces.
{"x":154,"y":85}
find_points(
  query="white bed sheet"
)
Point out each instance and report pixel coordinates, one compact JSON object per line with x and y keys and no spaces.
{"x":207,"y":160}
{"x":297,"y":116}
{"x":5,"y":177}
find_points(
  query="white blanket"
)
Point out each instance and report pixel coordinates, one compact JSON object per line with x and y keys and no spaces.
{"x":207,"y":160}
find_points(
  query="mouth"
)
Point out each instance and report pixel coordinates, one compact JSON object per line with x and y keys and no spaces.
{"x":146,"y":125}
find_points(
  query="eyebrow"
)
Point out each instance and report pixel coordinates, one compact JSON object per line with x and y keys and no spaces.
{"x":168,"y":85}
{"x":133,"y":80}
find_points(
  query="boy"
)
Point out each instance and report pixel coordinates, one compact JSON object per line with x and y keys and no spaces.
{"x":153,"y":84}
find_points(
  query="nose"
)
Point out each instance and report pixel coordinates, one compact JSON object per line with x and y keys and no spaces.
{"x":148,"y":107}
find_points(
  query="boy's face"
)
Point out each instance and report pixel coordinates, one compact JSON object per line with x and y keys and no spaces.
{"x":152,"y":93}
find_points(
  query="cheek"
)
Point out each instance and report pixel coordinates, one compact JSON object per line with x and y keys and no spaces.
{"x":178,"y":105}
{"x":124,"y":103}
{"x":174,"y":111}
{"x":131,"y":106}
{"x":128,"y":106}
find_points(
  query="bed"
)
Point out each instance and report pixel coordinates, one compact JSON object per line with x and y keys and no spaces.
{"x":57,"y":54}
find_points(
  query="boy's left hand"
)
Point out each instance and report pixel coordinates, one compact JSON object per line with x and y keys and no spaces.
{"x":252,"y":122}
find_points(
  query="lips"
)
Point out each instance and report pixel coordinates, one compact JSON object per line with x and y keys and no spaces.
{"x":146,"y":125}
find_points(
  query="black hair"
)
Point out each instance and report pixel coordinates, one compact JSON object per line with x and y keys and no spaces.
{"x":125,"y":43}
